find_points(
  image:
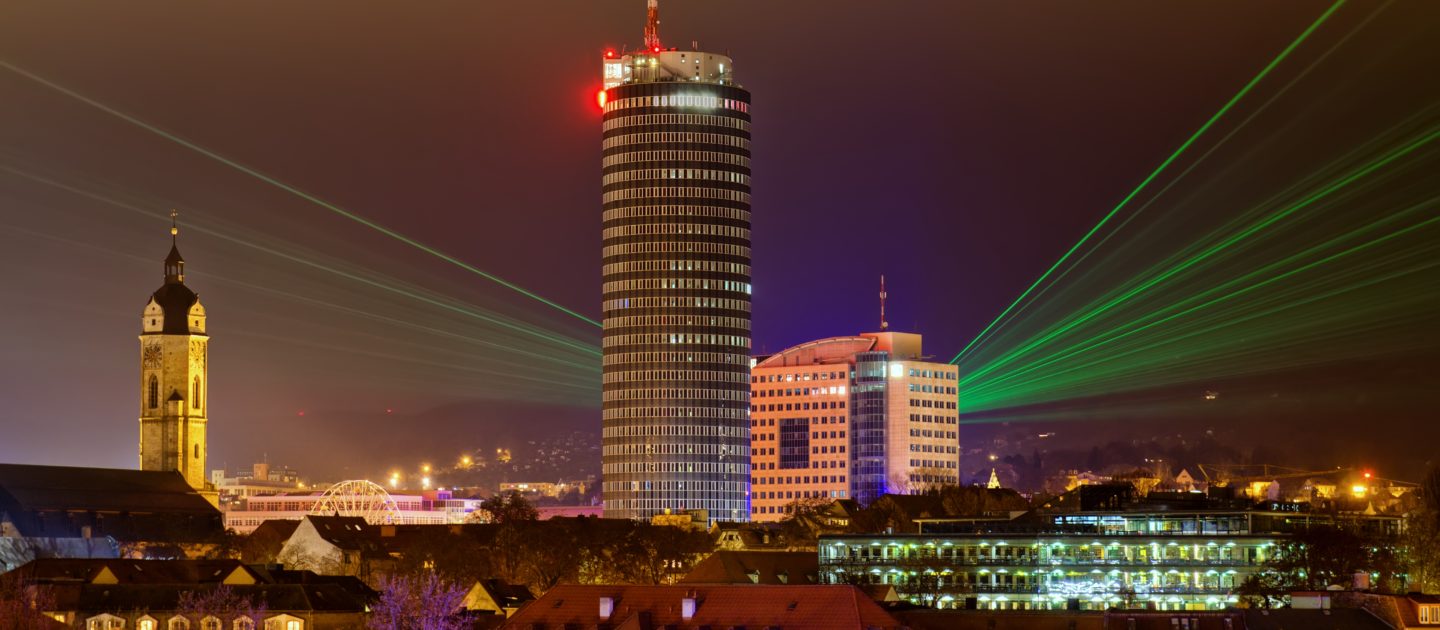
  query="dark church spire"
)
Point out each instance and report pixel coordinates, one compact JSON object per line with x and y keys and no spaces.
{"x":174,"y":264}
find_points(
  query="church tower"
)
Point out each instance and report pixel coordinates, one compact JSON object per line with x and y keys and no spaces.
{"x":174,"y":387}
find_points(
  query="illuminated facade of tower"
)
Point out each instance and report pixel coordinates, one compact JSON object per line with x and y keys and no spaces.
{"x":174,"y":388}
{"x":676,"y":283}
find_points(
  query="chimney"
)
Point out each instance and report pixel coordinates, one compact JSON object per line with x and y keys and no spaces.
{"x":687,"y":608}
{"x":1362,"y":581}
{"x":607,"y":607}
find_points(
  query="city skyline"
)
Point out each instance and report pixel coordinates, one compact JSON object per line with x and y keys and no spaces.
{"x":291,"y":353}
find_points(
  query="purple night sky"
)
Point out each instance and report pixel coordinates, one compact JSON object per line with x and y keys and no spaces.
{"x":956,"y":147}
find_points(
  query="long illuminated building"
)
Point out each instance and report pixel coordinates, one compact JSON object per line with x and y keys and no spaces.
{"x":676,"y":283}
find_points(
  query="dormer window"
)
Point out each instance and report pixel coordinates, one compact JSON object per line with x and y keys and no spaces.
{"x":1430,"y":615}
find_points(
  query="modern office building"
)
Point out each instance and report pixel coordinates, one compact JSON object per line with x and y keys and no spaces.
{"x":676,"y":283}
{"x":1178,"y":552}
{"x":851,"y":418}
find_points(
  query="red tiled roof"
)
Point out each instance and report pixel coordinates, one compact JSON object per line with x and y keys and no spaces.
{"x":756,"y":567}
{"x":791,"y":607}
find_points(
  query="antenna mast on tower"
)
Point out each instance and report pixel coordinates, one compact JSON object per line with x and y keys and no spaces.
{"x":652,"y":25}
{"x":884,"y":325}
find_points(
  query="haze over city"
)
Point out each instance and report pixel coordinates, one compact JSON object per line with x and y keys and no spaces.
{"x":667,"y":314}
{"x":958,"y":149}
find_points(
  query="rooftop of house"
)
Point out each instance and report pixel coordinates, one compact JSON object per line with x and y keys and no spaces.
{"x":276,"y":598}
{"x":696,"y":606}
{"x":756,"y":567}
{"x":350,"y":533}
{"x":127,"y":571}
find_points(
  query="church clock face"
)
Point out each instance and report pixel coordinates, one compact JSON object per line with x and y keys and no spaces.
{"x":150,"y":357}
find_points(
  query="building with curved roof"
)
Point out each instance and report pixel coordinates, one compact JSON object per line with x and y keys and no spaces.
{"x":851,"y":417}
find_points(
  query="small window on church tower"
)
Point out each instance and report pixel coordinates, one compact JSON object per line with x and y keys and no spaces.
{"x":197,"y":451}
{"x":154,"y":392}
{"x":195,"y":394}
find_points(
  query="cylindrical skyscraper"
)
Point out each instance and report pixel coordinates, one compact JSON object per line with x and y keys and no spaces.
{"x":677,"y":284}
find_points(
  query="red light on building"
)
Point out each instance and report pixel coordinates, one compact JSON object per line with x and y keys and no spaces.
{"x":1367,"y":475}
{"x":600,"y":98}
{"x":657,"y":49}
{"x":609,"y":53}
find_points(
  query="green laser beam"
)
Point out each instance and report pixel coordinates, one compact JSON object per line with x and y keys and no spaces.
{"x":1288,"y":305}
{"x":491,"y":319}
{"x":1155,"y":173}
{"x":1201,"y":159}
{"x":1361,"y":316}
{"x":1092,"y":343}
{"x":1216,"y":248}
{"x":294,"y":191}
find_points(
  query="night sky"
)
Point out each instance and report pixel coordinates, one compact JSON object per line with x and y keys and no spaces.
{"x":958,"y":148}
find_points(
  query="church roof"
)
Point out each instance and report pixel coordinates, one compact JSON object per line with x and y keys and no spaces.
{"x":174,"y":256}
{"x":174,"y":298}
{"x":60,"y":501}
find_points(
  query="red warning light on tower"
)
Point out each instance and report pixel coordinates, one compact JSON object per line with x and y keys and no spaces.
{"x":601,"y":97}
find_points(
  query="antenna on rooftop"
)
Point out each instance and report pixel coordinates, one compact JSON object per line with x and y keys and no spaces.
{"x":652,"y":25}
{"x":884,"y":325}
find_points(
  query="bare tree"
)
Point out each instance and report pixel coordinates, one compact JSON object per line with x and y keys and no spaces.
{"x":509,"y":507}
{"x":221,"y":602}
{"x":420,"y":602}
{"x":22,"y":605}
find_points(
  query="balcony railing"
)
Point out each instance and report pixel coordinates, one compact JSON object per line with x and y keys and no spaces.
{"x":934,"y":562}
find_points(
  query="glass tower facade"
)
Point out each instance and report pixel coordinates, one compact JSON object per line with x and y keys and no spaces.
{"x":868,"y":407}
{"x":676,"y":264}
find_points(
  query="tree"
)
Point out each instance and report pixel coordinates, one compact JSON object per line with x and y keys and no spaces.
{"x":221,"y":602}
{"x":22,"y":605}
{"x":929,"y":581}
{"x":509,"y":507}
{"x":551,"y":551}
{"x":804,"y":522}
{"x":1421,"y":542}
{"x":420,"y":602}
{"x":455,"y":557}
{"x":659,"y":554}
{"x":1312,"y":560}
